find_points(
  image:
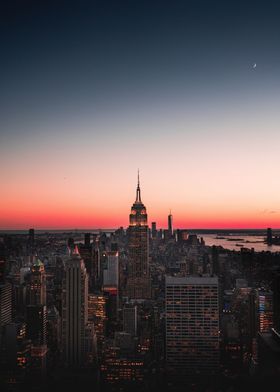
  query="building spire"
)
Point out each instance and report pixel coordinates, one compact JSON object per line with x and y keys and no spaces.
{"x":138,"y":192}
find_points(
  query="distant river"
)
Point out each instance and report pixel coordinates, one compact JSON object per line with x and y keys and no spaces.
{"x":237,"y":242}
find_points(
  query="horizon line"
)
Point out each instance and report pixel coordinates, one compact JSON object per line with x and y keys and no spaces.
{"x":116,"y":228}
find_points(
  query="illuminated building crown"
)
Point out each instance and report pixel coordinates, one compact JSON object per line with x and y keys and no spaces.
{"x":138,"y":215}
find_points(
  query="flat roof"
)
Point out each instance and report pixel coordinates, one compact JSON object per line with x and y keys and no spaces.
{"x":189,"y":280}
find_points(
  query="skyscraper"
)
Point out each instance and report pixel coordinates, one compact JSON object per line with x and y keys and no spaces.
{"x":130,"y":319}
{"x":31,"y":241}
{"x":269,"y":238}
{"x":170,"y":224}
{"x":37,"y":284}
{"x":36,"y":320}
{"x":154,"y":230}
{"x":265,"y":310}
{"x":192,"y":325}
{"x":75,"y":310}
{"x":90,"y":254}
{"x":138,"y":283}
{"x":36,"y":317}
{"x":87,"y":239}
{"x":111,"y":270}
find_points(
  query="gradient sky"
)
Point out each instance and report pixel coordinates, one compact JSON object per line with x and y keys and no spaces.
{"x":93,"y":90}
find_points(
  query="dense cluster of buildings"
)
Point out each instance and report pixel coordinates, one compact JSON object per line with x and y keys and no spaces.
{"x":139,"y":309}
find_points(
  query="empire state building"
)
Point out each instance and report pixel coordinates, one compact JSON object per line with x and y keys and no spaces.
{"x":138,"y":283}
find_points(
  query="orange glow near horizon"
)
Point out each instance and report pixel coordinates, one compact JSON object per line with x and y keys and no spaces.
{"x":87,"y":218}
{"x":79,"y":204}
{"x":67,"y":209}
{"x":225,"y":179}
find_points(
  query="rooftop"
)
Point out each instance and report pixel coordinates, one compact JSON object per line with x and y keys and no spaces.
{"x":189,"y":280}
{"x":38,"y":263}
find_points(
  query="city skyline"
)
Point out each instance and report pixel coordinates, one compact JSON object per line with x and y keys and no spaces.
{"x":139,"y":204}
{"x":187,"y":92}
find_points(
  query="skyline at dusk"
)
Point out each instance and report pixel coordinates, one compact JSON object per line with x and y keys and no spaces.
{"x":81,"y":218}
{"x":92,"y":92}
{"x":140,"y":195}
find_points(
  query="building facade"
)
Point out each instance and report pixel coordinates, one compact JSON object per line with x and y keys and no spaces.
{"x":75,"y":311}
{"x":111,"y":270}
{"x":138,"y":283}
{"x":192,"y":325}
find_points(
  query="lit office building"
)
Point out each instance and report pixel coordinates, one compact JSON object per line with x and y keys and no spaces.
{"x":265,"y":310}
{"x":122,"y":371}
{"x":16,"y":346}
{"x":138,"y":283}
{"x":97,"y":314}
{"x":192,"y":325}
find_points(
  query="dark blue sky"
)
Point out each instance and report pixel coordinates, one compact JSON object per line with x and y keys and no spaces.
{"x":92,"y":55}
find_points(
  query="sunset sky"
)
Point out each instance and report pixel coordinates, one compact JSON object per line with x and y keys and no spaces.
{"x":93,"y":90}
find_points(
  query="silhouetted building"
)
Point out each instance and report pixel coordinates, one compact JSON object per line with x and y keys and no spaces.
{"x":154,"y":230}
{"x":166,"y":235}
{"x":130,"y":319}
{"x":170,"y":224}
{"x":90,"y":254}
{"x":31,"y":241}
{"x":269,"y":238}
{"x":71,"y":243}
{"x":75,"y":310}
{"x":87,"y":239}
{"x":269,"y":353}
{"x":36,"y":321}
{"x":111,"y":295}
